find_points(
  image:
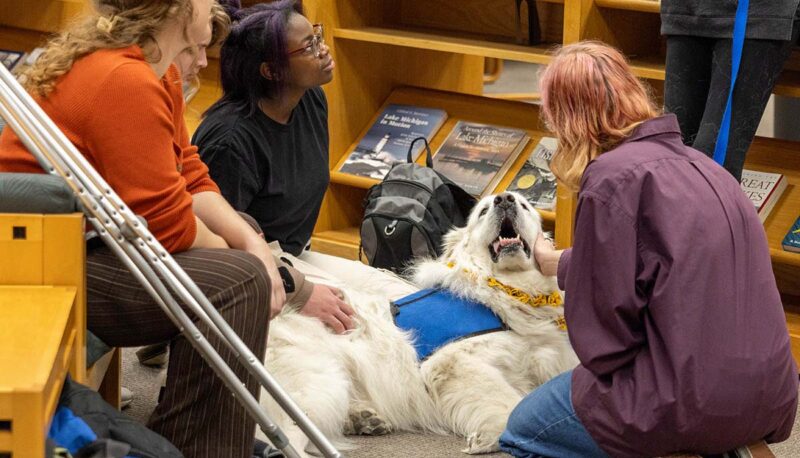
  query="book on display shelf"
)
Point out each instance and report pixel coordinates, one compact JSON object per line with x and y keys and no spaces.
{"x":477,"y":156}
{"x":792,"y":240}
{"x":10,"y":59}
{"x":534,"y":180}
{"x":387,"y":141}
{"x":764,"y":189}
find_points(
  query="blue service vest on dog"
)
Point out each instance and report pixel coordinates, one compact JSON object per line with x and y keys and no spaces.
{"x":437,"y":317}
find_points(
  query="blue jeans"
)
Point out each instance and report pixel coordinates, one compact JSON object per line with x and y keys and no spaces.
{"x":544,"y":424}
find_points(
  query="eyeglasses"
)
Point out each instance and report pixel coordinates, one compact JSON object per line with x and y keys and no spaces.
{"x":315,"y":47}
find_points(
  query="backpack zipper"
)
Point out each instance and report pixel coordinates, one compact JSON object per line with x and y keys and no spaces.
{"x":412,"y":183}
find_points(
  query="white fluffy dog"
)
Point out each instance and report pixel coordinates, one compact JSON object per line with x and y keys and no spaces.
{"x":369,"y":381}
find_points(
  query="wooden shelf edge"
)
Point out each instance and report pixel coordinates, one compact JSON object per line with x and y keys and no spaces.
{"x":352,"y":180}
{"x":644,"y":6}
{"x":539,"y":54}
{"x":349,"y":235}
{"x":788,"y":84}
{"x":343,"y":243}
{"x":547,"y":215}
{"x":648,"y":68}
{"x":781,"y":256}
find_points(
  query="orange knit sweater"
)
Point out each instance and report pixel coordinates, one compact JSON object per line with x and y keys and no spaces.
{"x":129,"y":125}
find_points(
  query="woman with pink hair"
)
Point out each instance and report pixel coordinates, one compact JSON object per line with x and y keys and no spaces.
{"x":671,"y":303}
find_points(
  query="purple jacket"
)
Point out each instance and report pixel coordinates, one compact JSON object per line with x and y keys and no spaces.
{"x":672,"y":305}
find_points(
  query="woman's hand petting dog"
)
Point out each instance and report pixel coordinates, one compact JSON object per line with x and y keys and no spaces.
{"x":546,"y":255}
{"x":327,"y":304}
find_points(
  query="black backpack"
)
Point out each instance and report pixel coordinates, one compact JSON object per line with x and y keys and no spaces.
{"x":407,"y":214}
{"x":88,"y":427}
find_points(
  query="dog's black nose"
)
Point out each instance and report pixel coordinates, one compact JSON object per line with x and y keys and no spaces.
{"x":505,"y":199}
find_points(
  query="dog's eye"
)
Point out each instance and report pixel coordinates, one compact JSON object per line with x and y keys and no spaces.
{"x":526,"y":207}
{"x":483,"y":212}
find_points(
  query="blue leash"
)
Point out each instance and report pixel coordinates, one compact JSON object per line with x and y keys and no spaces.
{"x":721,"y":147}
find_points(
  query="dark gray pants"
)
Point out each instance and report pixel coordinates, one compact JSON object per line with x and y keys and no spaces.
{"x":197,"y":413}
{"x":698,"y":78}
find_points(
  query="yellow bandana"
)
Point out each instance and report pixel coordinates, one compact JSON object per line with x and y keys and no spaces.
{"x":540,"y":300}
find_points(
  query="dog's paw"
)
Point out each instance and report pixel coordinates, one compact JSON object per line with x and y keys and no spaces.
{"x":482,"y":442}
{"x":366,"y":422}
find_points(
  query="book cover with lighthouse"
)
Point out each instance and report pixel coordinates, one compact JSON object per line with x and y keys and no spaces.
{"x":387,"y":141}
{"x":477,"y":156}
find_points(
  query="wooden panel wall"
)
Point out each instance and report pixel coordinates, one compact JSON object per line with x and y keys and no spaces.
{"x":42,"y":15}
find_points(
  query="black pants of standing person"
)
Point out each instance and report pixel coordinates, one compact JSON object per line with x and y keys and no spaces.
{"x":197,"y":413}
{"x":698,"y":78}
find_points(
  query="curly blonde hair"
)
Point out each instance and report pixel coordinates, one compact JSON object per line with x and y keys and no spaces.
{"x":113,"y":24}
{"x":220,"y":24}
{"x":592,"y":101}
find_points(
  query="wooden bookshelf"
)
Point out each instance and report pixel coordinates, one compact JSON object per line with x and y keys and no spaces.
{"x":41,"y":15}
{"x":16,"y":39}
{"x":645,"y":6}
{"x":458,"y":107}
{"x":448,"y":42}
{"x":778,"y":156}
{"x":425,"y":53}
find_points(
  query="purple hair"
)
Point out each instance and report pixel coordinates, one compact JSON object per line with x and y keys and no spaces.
{"x":258,"y":35}
{"x":231,"y":7}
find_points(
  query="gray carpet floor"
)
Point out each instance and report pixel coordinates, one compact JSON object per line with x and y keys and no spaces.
{"x":145,"y":383}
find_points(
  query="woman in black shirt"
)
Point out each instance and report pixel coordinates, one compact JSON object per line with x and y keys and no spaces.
{"x":266,"y":140}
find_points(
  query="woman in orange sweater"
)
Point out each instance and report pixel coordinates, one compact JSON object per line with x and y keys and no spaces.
{"x":109,"y":84}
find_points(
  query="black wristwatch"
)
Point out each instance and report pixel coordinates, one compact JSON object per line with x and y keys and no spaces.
{"x":288,"y":281}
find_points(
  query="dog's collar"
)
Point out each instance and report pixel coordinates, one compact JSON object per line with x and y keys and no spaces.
{"x":539,"y":300}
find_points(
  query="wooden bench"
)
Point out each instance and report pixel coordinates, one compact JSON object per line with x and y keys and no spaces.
{"x":38,"y":346}
{"x":43,"y":336}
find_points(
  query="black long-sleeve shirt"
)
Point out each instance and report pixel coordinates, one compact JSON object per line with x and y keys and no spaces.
{"x":277,"y":173}
{"x":767,"y":19}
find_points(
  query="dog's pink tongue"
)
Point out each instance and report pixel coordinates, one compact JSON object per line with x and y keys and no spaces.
{"x":501,"y":242}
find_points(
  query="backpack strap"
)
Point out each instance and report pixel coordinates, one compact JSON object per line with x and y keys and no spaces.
{"x":428,"y":157}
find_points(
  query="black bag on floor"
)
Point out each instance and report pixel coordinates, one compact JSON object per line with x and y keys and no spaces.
{"x":407,"y":214}
{"x":88,"y":427}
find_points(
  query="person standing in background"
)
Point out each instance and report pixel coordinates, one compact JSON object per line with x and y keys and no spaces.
{"x":698,"y":68}
{"x":266,"y":140}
